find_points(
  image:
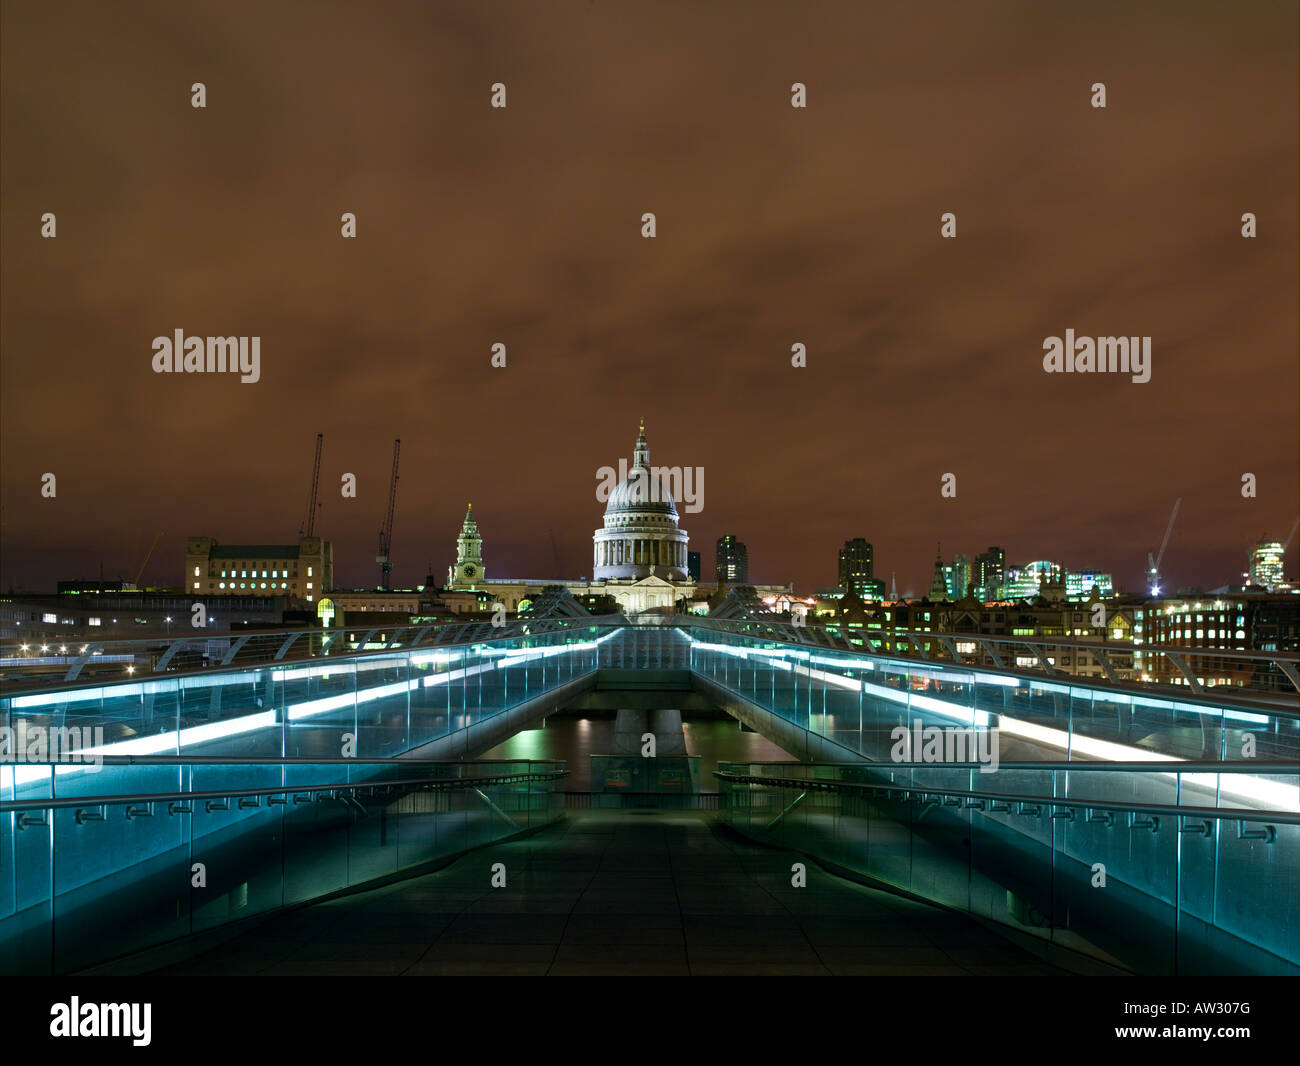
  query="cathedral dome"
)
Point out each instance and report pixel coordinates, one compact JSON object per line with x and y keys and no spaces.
{"x":638,"y":492}
{"x":639,"y":536}
{"x":641,"y":491}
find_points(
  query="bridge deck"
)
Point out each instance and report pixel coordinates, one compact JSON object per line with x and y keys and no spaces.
{"x":621,"y":892}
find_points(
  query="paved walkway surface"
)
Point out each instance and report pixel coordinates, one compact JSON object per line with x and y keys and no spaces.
{"x":621,"y":892}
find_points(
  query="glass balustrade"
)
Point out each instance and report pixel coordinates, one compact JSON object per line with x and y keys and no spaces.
{"x":1153,"y":870}
{"x":110,"y":863}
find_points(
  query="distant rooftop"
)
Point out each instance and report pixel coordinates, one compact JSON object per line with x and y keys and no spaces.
{"x":248,"y":551}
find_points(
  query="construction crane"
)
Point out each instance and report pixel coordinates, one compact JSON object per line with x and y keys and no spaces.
{"x":139,"y":573}
{"x":308,"y":528}
{"x":1153,"y":564}
{"x":386,"y":534}
{"x":1291,"y":536}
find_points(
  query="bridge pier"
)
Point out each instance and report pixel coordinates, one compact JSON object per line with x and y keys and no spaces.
{"x":630,"y":725}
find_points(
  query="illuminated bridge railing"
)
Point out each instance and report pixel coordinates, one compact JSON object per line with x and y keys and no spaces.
{"x":371,"y":705}
{"x":1153,"y":869}
{"x":106,"y":863}
{"x":860,"y":701}
{"x":53,"y":663}
{"x":1194,"y":669}
{"x":1198,"y":670}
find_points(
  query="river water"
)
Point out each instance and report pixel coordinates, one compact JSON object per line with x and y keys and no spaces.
{"x":575,"y":739}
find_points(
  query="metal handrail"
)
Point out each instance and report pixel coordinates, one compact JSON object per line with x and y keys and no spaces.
{"x":278,"y":760}
{"x":803,"y":637}
{"x":443,"y":784}
{"x":1255,"y":766}
{"x":422,"y":636}
{"x":725,"y":625}
{"x":833,"y":639}
{"x":787,"y":629}
{"x":825,"y":785}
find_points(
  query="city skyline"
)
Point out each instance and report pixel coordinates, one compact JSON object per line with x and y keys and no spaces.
{"x":776,"y":226}
{"x":163,"y":571}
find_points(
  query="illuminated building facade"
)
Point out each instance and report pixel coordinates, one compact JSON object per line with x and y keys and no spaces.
{"x":301,"y":571}
{"x":1266,"y":564}
{"x":732,"y":561}
{"x":856,"y":565}
{"x":987,"y":573}
{"x":1079,"y":584}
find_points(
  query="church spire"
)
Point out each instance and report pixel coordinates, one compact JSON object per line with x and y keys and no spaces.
{"x":939,"y":584}
{"x":469,"y":553}
{"x":642,"y":455}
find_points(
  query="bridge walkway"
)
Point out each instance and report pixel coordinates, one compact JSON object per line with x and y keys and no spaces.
{"x":621,"y":893}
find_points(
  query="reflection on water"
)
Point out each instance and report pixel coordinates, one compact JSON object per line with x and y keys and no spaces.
{"x":575,"y":740}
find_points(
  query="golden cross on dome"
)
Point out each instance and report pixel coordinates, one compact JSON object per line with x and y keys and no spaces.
{"x":643,"y":425}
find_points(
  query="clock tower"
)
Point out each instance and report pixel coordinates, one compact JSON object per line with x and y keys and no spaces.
{"x":468,"y":570}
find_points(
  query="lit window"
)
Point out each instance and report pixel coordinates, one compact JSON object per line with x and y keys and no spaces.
{"x":263,"y":584}
{"x":309,"y":599}
{"x":196,"y":584}
{"x":310,"y":585}
{"x":95,"y":621}
{"x":196,"y":571}
{"x":50,"y":617}
{"x":309,"y":573}
{"x":223,"y":584}
{"x":264,"y":575}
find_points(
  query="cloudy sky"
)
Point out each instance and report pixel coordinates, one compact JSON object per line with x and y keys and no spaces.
{"x":776,"y":226}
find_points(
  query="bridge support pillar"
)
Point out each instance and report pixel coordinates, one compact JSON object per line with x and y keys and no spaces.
{"x":629,"y":725}
{"x":666,"y":725}
{"x":667,"y":728}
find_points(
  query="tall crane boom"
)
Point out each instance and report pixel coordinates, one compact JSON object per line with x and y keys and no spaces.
{"x":308,"y":528}
{"x":386,"y":534}
{"x":1153,"y":562}
{"x":140,"y":573}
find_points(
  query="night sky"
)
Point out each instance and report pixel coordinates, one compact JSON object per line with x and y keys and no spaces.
{"x":775,"y":226}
